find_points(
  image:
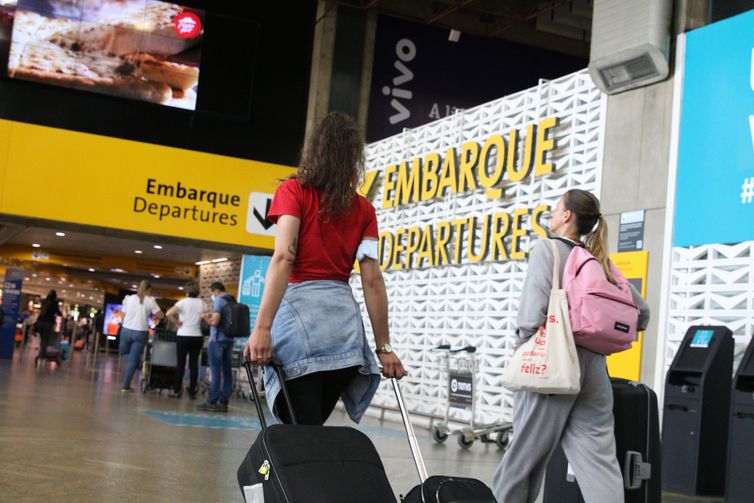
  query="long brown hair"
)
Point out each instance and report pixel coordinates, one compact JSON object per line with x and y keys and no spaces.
{"x":586,"y":208}
{"x":333,"y":161}
{"x":144,"y":287}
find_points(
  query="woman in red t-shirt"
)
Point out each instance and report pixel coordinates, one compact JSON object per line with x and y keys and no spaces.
{"x":309,"y":321}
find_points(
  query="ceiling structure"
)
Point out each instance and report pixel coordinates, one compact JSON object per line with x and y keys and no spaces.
{"x":114,"y":246}
{"x":79,"y":284}
{"x":558,"y":25}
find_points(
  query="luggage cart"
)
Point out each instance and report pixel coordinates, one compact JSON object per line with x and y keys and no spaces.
{"x":159,"y":369}
{"x":461,"y":368}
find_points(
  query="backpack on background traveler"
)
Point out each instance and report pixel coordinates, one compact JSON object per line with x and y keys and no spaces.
{"x":603,"y":315}
{"x":235,"y":318}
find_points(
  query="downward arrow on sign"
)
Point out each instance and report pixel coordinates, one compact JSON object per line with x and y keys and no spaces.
{"x":263,"y":219}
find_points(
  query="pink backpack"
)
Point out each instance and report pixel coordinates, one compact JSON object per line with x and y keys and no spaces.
{"x":603,"y":315}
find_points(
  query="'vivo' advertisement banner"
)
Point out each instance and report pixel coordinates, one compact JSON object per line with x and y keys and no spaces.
{"x":9,"y":310}
{"x":715,"y":187}
{"x":419,"y":76}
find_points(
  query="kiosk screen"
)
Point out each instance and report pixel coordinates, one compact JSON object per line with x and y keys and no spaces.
{"x":701,"y":339}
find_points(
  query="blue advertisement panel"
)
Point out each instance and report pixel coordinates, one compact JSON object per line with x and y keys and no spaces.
{"x":251,"y":285}
{"x":715,"y":187}
{"x":419,"y":76}
{"x":9,"y":310}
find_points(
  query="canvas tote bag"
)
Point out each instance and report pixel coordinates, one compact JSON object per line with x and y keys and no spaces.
{"x":547,"y":362}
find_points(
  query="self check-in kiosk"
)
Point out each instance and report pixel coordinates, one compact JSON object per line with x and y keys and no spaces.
{"x":696,"y":412}
{"x":740,"y":472}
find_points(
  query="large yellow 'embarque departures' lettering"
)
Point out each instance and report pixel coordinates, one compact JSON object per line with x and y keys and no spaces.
{"x":434,"y":176}
{"x":490,"y":238}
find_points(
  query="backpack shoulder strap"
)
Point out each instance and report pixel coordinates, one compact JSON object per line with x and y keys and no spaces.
{"x":568,"y":242}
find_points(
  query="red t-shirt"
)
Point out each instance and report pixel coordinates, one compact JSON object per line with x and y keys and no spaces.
{"x":326,"y":249}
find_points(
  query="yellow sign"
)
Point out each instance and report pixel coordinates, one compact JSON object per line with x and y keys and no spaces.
{"x":633,"y":265}
{"x":479,"y":166}
{"x":81,"y":178}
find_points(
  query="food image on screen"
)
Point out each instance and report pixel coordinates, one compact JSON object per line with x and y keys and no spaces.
{"x":139,"y":49}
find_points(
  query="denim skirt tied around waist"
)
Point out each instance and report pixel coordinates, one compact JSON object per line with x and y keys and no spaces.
{"x":318,"y":327}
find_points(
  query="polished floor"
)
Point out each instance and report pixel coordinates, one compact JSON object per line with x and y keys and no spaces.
{"x":67,"y":434}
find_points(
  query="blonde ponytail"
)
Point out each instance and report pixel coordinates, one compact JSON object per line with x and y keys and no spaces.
{"x":143,"y":289}
{"x":596,"y":243}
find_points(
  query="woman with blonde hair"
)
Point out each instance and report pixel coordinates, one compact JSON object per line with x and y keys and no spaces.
{"x":582,"y":423}
{"x":308,"y":320}
{"x":134,"y":333}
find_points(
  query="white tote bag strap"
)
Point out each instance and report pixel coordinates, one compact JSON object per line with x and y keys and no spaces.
{"x":555,"y":265}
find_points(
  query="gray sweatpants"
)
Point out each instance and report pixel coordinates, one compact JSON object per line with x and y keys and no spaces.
{"x":582,"y":424}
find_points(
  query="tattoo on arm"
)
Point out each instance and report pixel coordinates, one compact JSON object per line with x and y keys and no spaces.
{"x":293,"y":247}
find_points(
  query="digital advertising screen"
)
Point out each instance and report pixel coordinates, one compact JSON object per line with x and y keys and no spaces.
{"x":143,"y":50}
{"x":113,"y":319}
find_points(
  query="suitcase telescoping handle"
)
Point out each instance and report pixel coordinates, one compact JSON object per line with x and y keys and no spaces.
{"x":255,"y":393}
{"x":412,"y":442}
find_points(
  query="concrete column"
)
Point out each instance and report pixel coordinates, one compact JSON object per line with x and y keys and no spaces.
{"x":635,"y":168}
{"x":634,"y":177}
{"x":339,"y":82}
{"x":322,"y":59}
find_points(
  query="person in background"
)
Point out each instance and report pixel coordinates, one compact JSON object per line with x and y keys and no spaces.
{"x":220,"y":354}
{"x":134,"y":333}
{"x":309,"y":321}
{"x":582,"y":423}
{"x":46,"y":321}
{"x":30,"y":325}
{"x":187,"y":316}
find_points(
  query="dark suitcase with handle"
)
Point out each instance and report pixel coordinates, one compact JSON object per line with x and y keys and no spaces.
{"x":438,"y":488}
{"x":442,"y":489}
{"x":312,"y":464}
{"x":637,"y":442}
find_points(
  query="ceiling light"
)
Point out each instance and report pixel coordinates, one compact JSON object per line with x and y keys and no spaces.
{"x":138,"y":252}
{"x":219,"y":260}
{"x":34,"y":275}
{"x":60,"y":234}
{"x":36,"y":245}
{"x":180,"y":288}
{"x":134,"y":287}
{"x":156,"y":276}
{"x":158,"y":247}
{"x":202,"y":262}
{"x":27,"y":279}
{"x":70,"y":286}
{"x":47,"y":279}
{"x":91,"y":269}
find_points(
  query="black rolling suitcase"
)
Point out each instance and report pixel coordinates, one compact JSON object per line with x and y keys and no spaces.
{"x":438,"y":488}
{"x":312,"y":464}
{"x":637,"y":441}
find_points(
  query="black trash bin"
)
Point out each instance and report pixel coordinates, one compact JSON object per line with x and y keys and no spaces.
{"x":696,"y":413}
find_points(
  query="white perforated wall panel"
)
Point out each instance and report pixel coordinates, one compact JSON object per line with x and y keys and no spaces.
{"x":476,"y":304}
{"x":711,"y":285}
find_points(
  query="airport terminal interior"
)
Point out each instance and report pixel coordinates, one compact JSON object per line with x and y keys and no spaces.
{"x":172,"y":187}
